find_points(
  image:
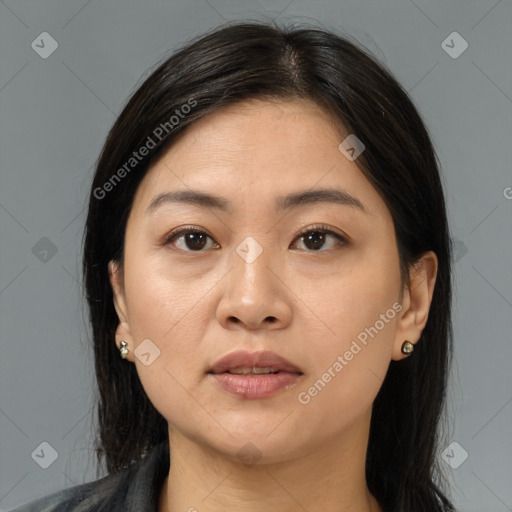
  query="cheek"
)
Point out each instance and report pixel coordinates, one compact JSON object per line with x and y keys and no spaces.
{"x":347,"y":372}
{"x":163,"y":314}
{"x":354,"y":296}
{"x":162,"y":299}
{"x":171,"y":312}
{"x":351,"y":354}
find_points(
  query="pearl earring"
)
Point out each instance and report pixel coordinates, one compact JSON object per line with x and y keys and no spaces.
{"x":123,"y":350}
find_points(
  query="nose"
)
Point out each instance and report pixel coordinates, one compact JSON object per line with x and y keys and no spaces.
{"x":254,"y":295}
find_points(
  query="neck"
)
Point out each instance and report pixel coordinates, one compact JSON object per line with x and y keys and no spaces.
{"x":330,"y":477}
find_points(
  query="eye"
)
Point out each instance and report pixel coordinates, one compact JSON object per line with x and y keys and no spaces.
{"x":314,"y":237}
{"x":189,"y":239}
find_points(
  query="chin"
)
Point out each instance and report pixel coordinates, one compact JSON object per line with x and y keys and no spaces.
{"x":251,"y":450}
{"x":265,"y":441}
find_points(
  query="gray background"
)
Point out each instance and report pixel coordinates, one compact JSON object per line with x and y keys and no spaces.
{"x":55,"y":114}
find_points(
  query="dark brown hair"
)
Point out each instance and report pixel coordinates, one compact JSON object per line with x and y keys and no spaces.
{"x":257,"y":60}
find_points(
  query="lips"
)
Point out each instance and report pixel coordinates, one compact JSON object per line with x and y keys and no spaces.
{"x":256,"y":375}
{"x":246,"y":363}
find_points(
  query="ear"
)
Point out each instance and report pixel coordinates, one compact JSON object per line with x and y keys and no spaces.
{"x":123,"y":328}
{"x":417,"y":297}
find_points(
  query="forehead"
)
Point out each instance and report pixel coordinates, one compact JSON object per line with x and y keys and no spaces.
{"x":293,"y":119}
{"x":257,"y":151}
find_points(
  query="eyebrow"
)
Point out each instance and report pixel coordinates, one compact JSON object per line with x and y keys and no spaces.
{"x":294,"y":200}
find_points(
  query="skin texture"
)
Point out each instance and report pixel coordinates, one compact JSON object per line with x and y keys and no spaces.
{"x":197,"y":306}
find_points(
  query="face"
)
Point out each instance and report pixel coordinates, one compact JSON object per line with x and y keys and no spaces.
{"x":315,"y":281}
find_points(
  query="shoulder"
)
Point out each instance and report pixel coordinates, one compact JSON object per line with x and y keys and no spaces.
{"x":136,"y":488}
{"x":78,"y":498}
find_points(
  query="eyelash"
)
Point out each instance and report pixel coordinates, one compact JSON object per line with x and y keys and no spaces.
{"x":317,"y":228}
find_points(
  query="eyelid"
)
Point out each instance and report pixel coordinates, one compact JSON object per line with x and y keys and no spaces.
{"x":325,"y":229}
{"x":342,"y":239}
{"x":183,"y":230}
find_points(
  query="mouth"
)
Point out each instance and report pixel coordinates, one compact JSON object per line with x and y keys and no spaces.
{"x":255,"y":370}
{"x":255,"y":375}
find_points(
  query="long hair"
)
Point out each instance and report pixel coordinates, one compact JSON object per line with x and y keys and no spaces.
{"x":257,"y":60}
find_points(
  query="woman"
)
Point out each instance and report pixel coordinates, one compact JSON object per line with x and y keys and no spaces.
{"x":268,"y":270}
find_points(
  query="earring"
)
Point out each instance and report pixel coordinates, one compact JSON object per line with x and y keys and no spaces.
{"x":407,"y":347}
{"x":123,"y":350}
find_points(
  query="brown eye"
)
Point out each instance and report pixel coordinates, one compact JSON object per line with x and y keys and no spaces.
{"x":189,"y":240}
{"x":315,"y":238}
